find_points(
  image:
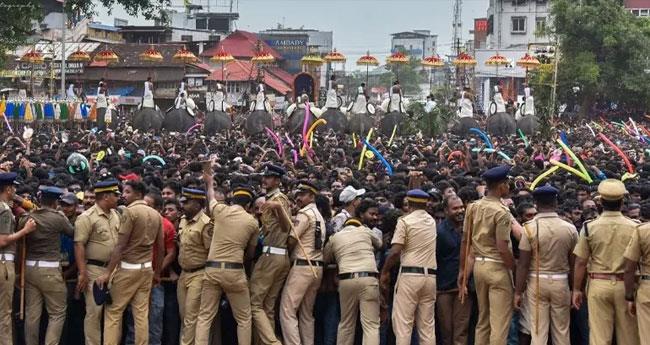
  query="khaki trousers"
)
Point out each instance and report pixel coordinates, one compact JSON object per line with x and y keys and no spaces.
{"x":94,"y":312}
{"x":453,"y":317}
{"x":297,"y":305}
{"x":7,"y":281}
{"x":643,"y":309}
{"x":554,"y":310}
{"x":414,"y":304}
{"x":189,"y":302}
{"x":494,"y":293}
{"x":359,"y":294}
{"x":233,"y":283}
{"x":129,"y":287}
{"x":266,"y":282}
{"x":44,"y":285}
{"x":608,"y":310}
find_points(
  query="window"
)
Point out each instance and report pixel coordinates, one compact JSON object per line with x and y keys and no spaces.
{"x":635,"y":13}
{"x":201,"y":23}
{"x":186,"y":38}
{"x":540,"y":26}
{"x":644,"y":13}
{"x":518,"y":25}
{"x":518,"y":2}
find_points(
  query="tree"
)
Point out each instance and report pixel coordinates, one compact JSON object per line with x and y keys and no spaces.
{"x":604,"y":52}
{"x":409,"y":76}
{"x":19,"y":18}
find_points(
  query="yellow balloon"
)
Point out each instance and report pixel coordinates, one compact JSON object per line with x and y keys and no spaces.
{"x":101,"y":155}
{"x":369,"y":155}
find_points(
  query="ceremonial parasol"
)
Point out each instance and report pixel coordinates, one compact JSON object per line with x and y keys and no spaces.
{"x":32,"y":57}
{"x":528,"y":62}
{"x":334,"y":57}
{"x":185,"y":56}
{"x":497,"y":60}
{"x":223,"y":57}
{"x":263,"y":58}
{"x":464,"y":60}
{"x":79,"y":56}
{"x":312,"y":59}
{"x":397,"y":58}
{"x":367,"y":60}
{"x":433,"y":61}
{"x":151,"y":55}
{"x":106,"y":55}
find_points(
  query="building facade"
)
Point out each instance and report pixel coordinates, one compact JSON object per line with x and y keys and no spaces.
{"x":417,"y":43}
{"x":639,"y":8}
{"x":293,"y":44}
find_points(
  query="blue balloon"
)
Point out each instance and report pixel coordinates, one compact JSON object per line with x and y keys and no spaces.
{"x":389,"y":168}
{"x":483,"y":136}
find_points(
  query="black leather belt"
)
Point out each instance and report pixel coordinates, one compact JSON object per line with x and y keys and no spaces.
{"x":344,"y":276}
{"x":96,"y":263}
{"x":225,"y":265}
{"x":417,"y":270}
{"x":301,"y":262}
{"x":644,"y":277}
{"x":192,"y":270}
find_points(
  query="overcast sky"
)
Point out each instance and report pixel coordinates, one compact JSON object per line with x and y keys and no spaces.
{"x":358,"y":25}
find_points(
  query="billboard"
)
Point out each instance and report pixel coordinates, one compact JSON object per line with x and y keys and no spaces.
{"x":292,"y":47}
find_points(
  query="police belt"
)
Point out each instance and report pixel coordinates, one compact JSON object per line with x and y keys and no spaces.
{"x":274,"y":250}
{"x":607,"y":276}
{"x":96,"y":263}
{"x":192,"y":270}
{"x":418,"y":270}
{"x":644,"y":277}
{"x":42,"y":263}
{"x":225,"y":265}
{"x":301,"y":262}
{"x":344,"y":276}
{"x":6,"y":257}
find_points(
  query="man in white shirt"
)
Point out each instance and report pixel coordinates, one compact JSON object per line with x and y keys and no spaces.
{"x":351,"y":198}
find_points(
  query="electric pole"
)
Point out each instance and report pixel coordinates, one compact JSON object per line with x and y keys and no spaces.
{"x":457,"y":33}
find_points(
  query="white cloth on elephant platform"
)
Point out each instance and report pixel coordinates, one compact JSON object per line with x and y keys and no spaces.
{"x":530,"y":103}
{"x":220,"y":103}
{"x":70,"y":93}
{"x":57,"y":111}
{"x":291,"y":109}
{"x":102,"y":101}
{"x":261,"y":102}
{"x":148,"y":89}
{"x":359,"y":105}
{"x":332,"y":101}
{"x":501,"y":104}
{"x":466,"y":107}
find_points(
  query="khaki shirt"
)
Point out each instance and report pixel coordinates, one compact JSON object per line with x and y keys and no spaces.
{"x":97,"y":231}
{"x":45,"y":242}
{"x":142,"y":225}
{"x":416,"y":231}
{"x":274,"y":235}
{"x":609,"y":235}
{"x":353,"y":249}
{"x":194,"y":236}
{"x":234,"y":231}
{"x":305,"y":230}
{"x":7,"y":226}
{"x":639,"y":247}
{"x":556,"y":237}
{"x":490,"y":221}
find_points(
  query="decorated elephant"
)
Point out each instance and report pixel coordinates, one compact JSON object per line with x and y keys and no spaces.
{"x":336,"y":120}
{"x":499,"y":122}
{"x":465,"y":119}
{"x":360,"y":123}
{"x":462,"y":125}
{"x":147,"y":119}
{"x":528,"y":124}
{"x":216,"y":122}
{"x":526,"y":119}
{"x":260,"y":115}
{"x":178,"y":120}
{"x":360,"y":113}
{"x":395,"y":110}
{"x":296,"y":115}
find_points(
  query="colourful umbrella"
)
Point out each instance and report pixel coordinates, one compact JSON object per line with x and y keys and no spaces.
{"x":464,"y":60}
{"x":263,"y":58}
{"x":107,"y":55}
{"x":367,"y":60}
{"x":335,"y":56}
{"x":432,"y":61}
{"x":312,"y":59}
{"x":79,"y":56}
{"x":528,"y":62}
{"x":33,"y":57}
{"x":397,"y":58}
{"x":151,"y":55}
{"x":223,"y":57}
{"x":184,"y":55}
{"x":497,"y":60}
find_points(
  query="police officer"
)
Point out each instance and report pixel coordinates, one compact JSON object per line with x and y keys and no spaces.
{"x":235,"y":238}
{"x":95,"y":238}
{"x":8,"y":239}
{"x":43,"y":276}
{"x":272,"y":267}
{"x":599,"y":253}
{"x":299,"y":294}
{"x":486,"y":238}
{"x":352,"y":248}
{"x":638,"y":251}
{"x":139,"y":235}
{"x":194,"y":236}
{"x":545,"y":254}
{"x":414,"y":245}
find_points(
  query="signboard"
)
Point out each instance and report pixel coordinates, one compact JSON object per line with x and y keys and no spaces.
{"x":292,"y":47}
{"x":480,"y":25}
{"x":42,"y":69}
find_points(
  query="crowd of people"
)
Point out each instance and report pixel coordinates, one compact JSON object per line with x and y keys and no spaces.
{"x":119,"y":236}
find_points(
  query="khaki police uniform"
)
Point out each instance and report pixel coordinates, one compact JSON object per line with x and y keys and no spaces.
{"x":638,"y":250}
{"x":270,"y":271}
{"x":555,"y":239}
{"x":194,"y":237}
{"x":603,"y":242}
{"x":7,"y":275}
{"x":234,"y":231}
{"x":352,"y":248}
{"x":43,"y":277}
{"x":97,"y":231}
{"x":490,"y":221}
{"x":415,"y":291}
{"x":299,"y":294}
{"x":132,"y":279}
